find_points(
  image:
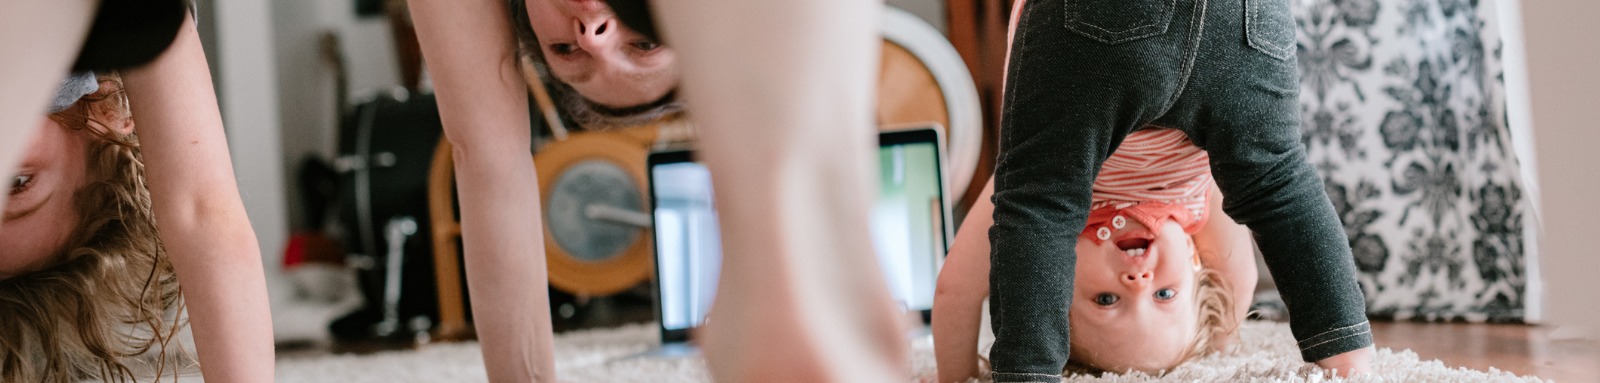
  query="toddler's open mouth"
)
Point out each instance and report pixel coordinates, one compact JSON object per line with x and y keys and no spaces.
{"x":1134,"y":243}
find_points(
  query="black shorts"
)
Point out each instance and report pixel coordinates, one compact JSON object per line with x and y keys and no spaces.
{"x":130,"y":33}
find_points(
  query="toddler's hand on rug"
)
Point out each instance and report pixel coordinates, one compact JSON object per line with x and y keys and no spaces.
{"x":1350,"y":363}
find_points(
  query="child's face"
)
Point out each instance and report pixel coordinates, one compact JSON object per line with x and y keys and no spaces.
{"x":1134,"y":303}
{"x":39,"y":216}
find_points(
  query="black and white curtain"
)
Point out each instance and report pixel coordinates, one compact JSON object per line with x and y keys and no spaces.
{"x":1403,"y":107}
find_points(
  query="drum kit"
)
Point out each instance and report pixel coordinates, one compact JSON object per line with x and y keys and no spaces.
{"x":596,"y":224}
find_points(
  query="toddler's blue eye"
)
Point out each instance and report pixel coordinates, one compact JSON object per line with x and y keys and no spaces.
{"x":1105,"y":299}
{"x":1166,"y":294}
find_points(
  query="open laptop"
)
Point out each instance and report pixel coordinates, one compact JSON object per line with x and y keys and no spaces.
{"x":910,"y":230}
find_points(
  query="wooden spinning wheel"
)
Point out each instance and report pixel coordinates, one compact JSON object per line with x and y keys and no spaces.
{"x":592,"y":183}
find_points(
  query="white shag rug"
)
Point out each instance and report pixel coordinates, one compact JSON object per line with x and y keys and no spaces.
{"x":1265,"y":353}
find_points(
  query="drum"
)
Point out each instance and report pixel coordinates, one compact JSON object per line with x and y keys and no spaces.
{"x":384,"y":147}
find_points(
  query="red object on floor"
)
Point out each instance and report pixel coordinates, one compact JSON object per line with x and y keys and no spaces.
{"x":310,"y":246}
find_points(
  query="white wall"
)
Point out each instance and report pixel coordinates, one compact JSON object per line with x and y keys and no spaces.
{"x":249,"y":102}
{"x":931,"y":11}
{"x":305,"y":85}
{"x":1519,"y":121}
{"x":1564,"y":93}
{"x":306,"y":81}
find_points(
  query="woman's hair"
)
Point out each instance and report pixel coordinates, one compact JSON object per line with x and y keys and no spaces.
{"x":110,"y":295}
{"x":1215,"y":321}
{"x":584,"y":112}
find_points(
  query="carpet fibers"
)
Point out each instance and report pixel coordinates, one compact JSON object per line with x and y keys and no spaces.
{"x":1265,"y":353}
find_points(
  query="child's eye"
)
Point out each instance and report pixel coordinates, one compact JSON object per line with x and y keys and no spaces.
{"x":1105,"y":299}
{"x":1166,"y":294}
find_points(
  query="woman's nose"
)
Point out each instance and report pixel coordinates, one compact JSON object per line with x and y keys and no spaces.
{"x":595,"y":32}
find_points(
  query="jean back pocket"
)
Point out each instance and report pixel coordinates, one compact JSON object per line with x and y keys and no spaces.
{"x":1270,"y":27}
{"x":1118,"y":21}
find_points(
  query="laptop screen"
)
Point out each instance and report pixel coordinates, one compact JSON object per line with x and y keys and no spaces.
{"x":909,"y":230}
{"x":688,"y":245}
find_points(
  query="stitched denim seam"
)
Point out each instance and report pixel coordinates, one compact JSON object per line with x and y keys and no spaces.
{"x":1336,"y":330}
{"x":997,"y":300}
{"x":1072,"y":21}
{"x":1108,"y":31}
{"x":1047,"y":377}
{"x":1314,"y":346}
{"x":1252,"y":15}
{"x":1197,"y":28}
{"x":1127,"y":31}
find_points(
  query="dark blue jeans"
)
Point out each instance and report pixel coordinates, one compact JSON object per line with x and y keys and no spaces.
{"x":1084,"y":74}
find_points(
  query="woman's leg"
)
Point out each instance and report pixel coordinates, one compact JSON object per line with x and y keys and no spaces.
{"x":782,"y":93}
{"x":40,"y":37}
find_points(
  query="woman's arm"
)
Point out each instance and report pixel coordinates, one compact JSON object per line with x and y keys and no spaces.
{"x":201,"y":218}
{"x":958,"y":299}
{"x":1227,"y":247}
{"x":483,"y":102}
{"x":39,"y":39}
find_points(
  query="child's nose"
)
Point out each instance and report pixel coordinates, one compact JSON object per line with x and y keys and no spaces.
{"x":1137,"y":279}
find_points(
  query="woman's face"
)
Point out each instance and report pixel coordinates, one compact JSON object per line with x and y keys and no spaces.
{"x":1134,"y":304}
{"x":587,"y":48}
{"x":39,"y":215}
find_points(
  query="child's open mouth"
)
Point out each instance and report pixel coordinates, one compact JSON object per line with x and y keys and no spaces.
{"x":1134,"y":244}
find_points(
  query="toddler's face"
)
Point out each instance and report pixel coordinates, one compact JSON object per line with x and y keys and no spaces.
{"x":39,"y":216}
{"x":1134,"y":303}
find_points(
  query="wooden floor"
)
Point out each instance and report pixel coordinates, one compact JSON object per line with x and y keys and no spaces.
{"x":1522,"y":349}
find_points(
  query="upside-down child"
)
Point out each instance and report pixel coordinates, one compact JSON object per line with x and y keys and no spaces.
{"x":1085,"y":74}
{"x":86,"y":290}
{"x":1162,"y":275}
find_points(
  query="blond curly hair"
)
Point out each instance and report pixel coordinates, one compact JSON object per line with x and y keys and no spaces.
{"x":109,"y":297}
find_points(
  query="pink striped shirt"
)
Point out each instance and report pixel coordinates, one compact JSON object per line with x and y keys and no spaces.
{"x":1157,"y":174}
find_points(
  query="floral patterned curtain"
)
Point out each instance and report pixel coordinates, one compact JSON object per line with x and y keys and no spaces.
{"x":1403,"y":104}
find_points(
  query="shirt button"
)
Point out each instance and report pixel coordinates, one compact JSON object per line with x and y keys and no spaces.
{"x":1104,"y":233}
{"x":1119,"y":222}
